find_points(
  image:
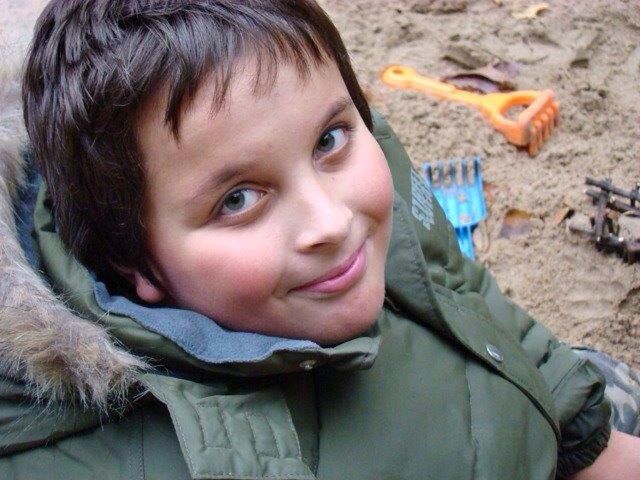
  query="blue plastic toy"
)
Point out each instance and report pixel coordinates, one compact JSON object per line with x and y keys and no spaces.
{"x":457,"y":185}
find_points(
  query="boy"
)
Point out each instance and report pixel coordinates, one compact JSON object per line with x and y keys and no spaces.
{"x":206,"y":160}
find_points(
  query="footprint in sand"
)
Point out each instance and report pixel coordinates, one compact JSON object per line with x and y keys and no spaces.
{"x":595,"y":296}
{"x":629,"y":313}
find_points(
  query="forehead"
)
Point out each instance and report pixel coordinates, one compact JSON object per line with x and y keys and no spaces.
{"x":250,"y":123}
{"x":251,"y":81}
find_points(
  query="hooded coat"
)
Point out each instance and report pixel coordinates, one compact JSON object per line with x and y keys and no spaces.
{"x":453,"y":381}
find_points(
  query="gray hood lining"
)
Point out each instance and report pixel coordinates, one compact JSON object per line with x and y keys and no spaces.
{"x":198,"y":335}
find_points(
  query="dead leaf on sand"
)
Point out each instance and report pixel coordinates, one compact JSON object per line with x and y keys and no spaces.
{"x":532,"y":11}
{"x":490,"y":191}
{"x":560,"y":215}
{"x":516,"y":222}
{"x":496,"y":77}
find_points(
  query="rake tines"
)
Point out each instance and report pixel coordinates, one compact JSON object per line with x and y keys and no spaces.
{"x":539,"y":119}
{"x":457,"y":185}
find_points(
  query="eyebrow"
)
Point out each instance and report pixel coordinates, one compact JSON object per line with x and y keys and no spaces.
{"x":228,"y":173}
{"x":220,"y":178}
{"x":336,"y":109}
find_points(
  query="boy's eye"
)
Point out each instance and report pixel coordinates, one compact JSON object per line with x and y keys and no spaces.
{"x":332,"y":140}
{"x":240,"y":200}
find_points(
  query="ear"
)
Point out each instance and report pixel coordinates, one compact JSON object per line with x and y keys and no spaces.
{"x":145,"y":289}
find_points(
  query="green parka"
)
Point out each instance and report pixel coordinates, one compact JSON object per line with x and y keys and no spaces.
{"x":453,"y":382}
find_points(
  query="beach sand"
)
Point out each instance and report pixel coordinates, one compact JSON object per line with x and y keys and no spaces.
{"x":588,"y":52}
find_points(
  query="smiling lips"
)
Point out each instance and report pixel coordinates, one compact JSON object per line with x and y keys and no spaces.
{"x":341,"y":278}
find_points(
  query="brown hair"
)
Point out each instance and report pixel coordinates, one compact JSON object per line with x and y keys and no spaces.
{"x":94,"y":62}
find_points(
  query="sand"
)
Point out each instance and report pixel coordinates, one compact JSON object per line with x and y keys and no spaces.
{"x":588,"y":52}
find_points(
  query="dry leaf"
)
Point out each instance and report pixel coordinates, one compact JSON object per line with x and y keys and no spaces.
{"x":496,"y":77}
{"x":516,"y":222}
{"x":532,"y":11}
{"x":558,"y":217}
{"x":472,"y":83}
{"x":490,"y":191}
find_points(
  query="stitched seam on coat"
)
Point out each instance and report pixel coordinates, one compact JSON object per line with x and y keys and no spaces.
{"x":130,"y":462}
{"x":224,"y":424}
{"x":253,"y":436}
{"x":298,"y":454}
{"x":141,"y":449}
{"x":204,"y":437}
{"x":217,"y":410}
{"x":578,"y":363}
{"x":248,"y":416}
{"x":275,"y":437}
{"x":415,"y":263}
{"x":163,"y":398}
{"x":472,"y":430}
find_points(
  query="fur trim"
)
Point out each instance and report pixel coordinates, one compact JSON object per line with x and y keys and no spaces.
{"x":59,"y":356}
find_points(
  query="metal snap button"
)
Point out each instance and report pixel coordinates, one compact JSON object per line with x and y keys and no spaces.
{"x":308,"y":364}
{"x":493,"y":351}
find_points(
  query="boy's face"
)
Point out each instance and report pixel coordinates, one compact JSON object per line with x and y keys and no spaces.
{"x":273,"y":214}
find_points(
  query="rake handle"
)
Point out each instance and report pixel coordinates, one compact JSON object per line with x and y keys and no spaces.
{"x":407,"y":77}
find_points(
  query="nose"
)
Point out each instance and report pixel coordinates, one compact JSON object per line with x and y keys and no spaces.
{"x":324,"y":219}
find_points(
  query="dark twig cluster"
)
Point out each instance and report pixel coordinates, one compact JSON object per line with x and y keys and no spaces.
{"x":609,"y":199}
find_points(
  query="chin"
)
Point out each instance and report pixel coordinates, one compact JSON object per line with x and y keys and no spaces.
{"x":356,"y":322}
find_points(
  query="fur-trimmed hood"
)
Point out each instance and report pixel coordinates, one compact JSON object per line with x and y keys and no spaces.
{"x":57,"y":355}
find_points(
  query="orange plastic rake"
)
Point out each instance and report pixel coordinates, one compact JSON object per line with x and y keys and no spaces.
{"x":532,"y":126}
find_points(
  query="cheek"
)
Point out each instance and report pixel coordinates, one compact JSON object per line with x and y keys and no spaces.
{"x":375,"y":185}
{"x":216,"y":271}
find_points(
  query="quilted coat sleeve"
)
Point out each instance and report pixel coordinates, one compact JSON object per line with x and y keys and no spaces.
{"x":576,"y":385}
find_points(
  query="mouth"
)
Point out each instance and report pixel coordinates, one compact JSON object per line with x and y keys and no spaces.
{"x":340,"y":278}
